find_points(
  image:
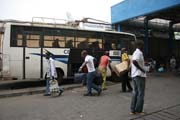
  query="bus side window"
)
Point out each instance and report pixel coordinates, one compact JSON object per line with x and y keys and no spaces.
{"x":94,"y":45}
{"x":83,"y":45}
{"x":118,"y":46}
{"x":56,"y":43}
{"x":69,"y":44}
{"x":107,"y":46}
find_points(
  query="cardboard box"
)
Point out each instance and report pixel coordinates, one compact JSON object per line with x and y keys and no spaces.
{"x":121,"y":68}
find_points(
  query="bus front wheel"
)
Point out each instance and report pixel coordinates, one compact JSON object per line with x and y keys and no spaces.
{"x":59,"y":76}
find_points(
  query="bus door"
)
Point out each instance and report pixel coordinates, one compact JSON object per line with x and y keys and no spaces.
{"x":32,"y":55}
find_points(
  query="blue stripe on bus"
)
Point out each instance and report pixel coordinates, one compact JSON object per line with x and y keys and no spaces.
{"x":63,"y":60}
{"x":59,"y":58}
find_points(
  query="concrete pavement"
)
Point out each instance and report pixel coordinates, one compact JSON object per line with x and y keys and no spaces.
{"x":6,"y":91}
{"x":162,"y":102}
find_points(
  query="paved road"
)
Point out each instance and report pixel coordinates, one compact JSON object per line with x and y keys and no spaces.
{"x":170,"y":113}
{"x":162,"y":91}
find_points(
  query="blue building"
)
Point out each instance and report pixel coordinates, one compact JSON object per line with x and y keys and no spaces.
{"x":153,"y":21}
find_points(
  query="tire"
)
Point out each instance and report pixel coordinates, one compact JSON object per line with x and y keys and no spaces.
{"x":59,"y":76}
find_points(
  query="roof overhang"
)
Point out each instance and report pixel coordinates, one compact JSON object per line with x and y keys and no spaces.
{"x":131,"y":9}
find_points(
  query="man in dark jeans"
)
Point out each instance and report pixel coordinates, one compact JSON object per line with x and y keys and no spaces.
{"x":125,"y":78}
{"x":89,"y":62}
{"x":138,"y":75}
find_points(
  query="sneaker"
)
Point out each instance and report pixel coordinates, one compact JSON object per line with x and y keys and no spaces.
{"x":47,"y":94}
{"x":61,"y":91}
{"x":129,"y":91}
{"x":104,"y":89}
{"x":88,"y":94}
{"x":132,"y":113}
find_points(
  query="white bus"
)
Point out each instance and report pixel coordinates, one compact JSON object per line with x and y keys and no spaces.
{"x":23,"y":43}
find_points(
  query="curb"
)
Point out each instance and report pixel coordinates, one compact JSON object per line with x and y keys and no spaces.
{"x":31,"y":91}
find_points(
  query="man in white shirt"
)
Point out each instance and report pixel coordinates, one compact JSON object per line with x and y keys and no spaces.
{"x":89,"y":62}
{"x":138,"y":75}
{"x":51,"y":73}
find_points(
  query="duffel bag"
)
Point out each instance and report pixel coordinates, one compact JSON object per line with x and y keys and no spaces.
{"x":80,"y":78}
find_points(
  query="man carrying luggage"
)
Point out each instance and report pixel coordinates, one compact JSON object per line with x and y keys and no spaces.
{"x":125,"y":78}
{"x":51,"y":73}
{"x":89,"y":62}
